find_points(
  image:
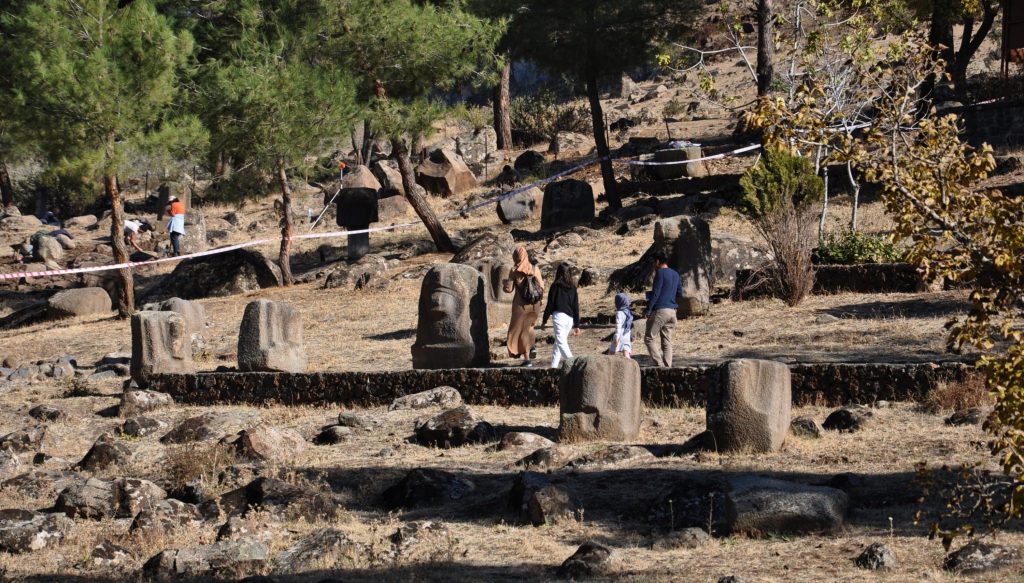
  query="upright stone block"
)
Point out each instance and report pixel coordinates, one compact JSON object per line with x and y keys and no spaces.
{"x":161,"y":343}
{"x":599,"y":399}
{"x":567,"y":203}
{"x":357,"y":208}
{"x":452,"y":327}
{"x":750,"y":407}
{"x":270,"y":338}
{"x":499,"y":302}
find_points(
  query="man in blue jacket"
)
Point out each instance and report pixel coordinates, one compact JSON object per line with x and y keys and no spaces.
{"x":661,"y":311}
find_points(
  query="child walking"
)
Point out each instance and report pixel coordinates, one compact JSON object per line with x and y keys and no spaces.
{"x":622,"y":342}
{"x":563,"y":308}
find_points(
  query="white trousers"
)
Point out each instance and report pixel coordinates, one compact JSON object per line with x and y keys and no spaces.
{"x":562,"y":323}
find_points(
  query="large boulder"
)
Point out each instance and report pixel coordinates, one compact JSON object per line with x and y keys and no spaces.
{"x":85,"y":301}
{"x":360,"y":176}
{"x":267,"y":443}
{"x":80,"y":222}
{"x":486,"y":246}
{"x":749,"y":408}
{"x":233,"y":272}
{"x":98,"y":499}
{"x":451,"y":330}
{"x":106,"y":452}
{"x":529,"y":162}
{"x":523,"y":206}
{"x":270,"y":338}
{"x":731,"y":253}
{"x":22,"y":531}
{"x":571,"y":145}
{"x":165,"y":516}
{"x":160,"y":344}
{"x":688,"y":240}
{"x":748,"y":504}
{"x":763,"y":506}
{"x":389,"y":178}
{"x":978,"y":557}
{"x":208,"y":426}
{"x":599,"y":399}
{"x":479,"y":149}
{"x":231,"y":559}
{"x":567,"y":203}
{"x":444,"y":173}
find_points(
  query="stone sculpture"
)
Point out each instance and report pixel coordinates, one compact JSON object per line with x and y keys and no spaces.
{"x":452,"y":327}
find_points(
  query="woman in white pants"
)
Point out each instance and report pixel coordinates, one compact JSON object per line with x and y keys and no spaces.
{"x":563,"y":308}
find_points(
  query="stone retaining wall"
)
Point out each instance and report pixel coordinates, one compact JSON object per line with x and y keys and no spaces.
{"x":868,"y":278}
{"x":819,"y":384}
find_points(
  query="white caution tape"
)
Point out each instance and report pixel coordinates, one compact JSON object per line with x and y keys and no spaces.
{"x":336,"y":234}
{"x":742,"y":150}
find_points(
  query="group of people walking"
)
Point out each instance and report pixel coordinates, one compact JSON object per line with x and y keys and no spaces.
{"x":526,"y":284}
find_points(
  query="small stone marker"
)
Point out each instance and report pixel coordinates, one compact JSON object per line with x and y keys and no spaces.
{"x":749,"y":408}
{"x":270,"y":338}
{"x":599,"y":399}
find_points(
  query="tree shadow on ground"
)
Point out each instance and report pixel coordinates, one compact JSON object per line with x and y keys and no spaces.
{"x":934,"y":307}
{"x":621,"y":498}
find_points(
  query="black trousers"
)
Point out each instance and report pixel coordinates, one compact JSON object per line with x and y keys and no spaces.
{"x":176,"y":243}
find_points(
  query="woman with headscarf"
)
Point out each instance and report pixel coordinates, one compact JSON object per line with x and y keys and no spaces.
{"x":528,"y":286}
{"x":622,"y":342}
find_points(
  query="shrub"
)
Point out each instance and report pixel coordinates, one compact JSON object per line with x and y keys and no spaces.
{"x":541,"y":116}
{"x":853,"y":248}
{"x":958,"y":396}
{"x":777,"y":195}
{"x":777,"y":178}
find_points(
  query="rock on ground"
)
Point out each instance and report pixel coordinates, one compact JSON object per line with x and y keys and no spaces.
{"x":208,"y":426}
{"x":523,"y":440}
{"x":99,"y":499}
{"x":444,"y":397}
{"x":72,"y":303}
{"x":141,"y":426}
{"x":268,"y":443}
{"x":877,"y":556}
{"x":805,"y":426}
{"x":847,"y":419}
{"x":592,"y":559}
{"x":137,"y":402}
{"x":233,"y":559}
{"x":323,"y":547}
{"x":426,"y":487}
{"x":165,"y":516}
{"x":453,"y":428}
{"x":535,"y":499}
{"x":978,"y":557}
{"x":105,"y":453}
{"x":762,"y":506}
{"x":23,"y":531}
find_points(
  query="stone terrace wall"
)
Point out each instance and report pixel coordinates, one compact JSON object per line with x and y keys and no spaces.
{"x":817,"y":384}
{"x":999,"y":124}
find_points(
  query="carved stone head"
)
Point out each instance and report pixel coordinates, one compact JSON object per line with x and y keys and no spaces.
{"x":499,"y":302}
{"x":452,"y":327}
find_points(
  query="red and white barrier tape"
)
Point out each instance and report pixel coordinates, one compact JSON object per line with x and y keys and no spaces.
{"x":742,"y":150}
{"x":335,"y":234}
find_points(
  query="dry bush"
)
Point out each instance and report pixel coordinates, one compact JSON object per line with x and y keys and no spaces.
{"x":958,"y":395}
{"x":190,"y":461}
{"x":790,"y":233}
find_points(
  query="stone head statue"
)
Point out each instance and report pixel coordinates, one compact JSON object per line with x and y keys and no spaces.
{"x":452,"y":328}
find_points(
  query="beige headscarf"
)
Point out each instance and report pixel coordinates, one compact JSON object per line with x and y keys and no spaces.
{"x":522,"y":261}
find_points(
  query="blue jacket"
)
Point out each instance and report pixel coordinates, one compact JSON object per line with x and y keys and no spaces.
{"x":666,"y":288}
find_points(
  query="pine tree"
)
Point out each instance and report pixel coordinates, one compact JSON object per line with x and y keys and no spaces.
{"x":267,"y":98}
{"x":591,"y":41}
{"x":403,"y":54}
{"x":93,"y":80}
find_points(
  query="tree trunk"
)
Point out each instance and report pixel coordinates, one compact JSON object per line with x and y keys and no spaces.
{"x":502,"y":120}
{"x":6,"y":189}
{"x":367,"y":152}
{"x":400,"y":150}
{"x":824,"y":206}
{"x":940,"y":36}
{"x":970,"y":42}
{"x":765,"y":47}
{"x":856,"y":195}
{"x":126,"y":293}
{"x":286,"y":225}
{"x":611,"y":191}
{"x":357,"y":148}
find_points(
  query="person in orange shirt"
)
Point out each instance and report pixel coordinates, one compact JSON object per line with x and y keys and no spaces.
{"x":176,"y":226}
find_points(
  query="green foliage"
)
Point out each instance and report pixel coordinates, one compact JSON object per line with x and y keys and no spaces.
{"x":540,"y":116}
{"x":777,"y":177}
{"x":854,"y":248}
{"x":89,"y":80}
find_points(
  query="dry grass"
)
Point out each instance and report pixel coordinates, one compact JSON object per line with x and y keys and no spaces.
{"x":477,"y":542}
{"x":957,"y":396}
